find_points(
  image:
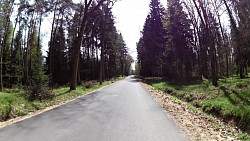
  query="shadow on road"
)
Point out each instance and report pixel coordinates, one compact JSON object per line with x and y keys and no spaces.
{"x":133,"y":79}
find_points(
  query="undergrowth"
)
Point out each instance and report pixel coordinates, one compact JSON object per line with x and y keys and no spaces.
{"x":230,"y":101}
{"x":19,"y":102}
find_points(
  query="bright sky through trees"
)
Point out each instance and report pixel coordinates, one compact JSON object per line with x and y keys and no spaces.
{"x":130,"y":16}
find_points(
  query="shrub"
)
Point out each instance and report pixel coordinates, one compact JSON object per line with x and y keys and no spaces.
{"x":241,"y":84}
{"x":39,"y":93}
{"x":168,"y":90}
{"x":89,"y":84}
{"x":206,"y":83}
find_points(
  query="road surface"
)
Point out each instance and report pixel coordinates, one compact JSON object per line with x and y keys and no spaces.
{"x":123,"y":111}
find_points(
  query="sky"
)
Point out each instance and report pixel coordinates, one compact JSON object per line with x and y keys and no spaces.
{"x":130,"y":16}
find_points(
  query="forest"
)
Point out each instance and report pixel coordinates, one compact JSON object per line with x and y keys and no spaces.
{"x":193,"y":53}
{"x":84,"y":43}
{"x":191,"y":39}
{"x":198,"y":51}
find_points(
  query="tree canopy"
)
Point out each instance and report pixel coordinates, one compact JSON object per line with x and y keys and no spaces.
{"x":84,"y":43}
{"x":189,"y":40}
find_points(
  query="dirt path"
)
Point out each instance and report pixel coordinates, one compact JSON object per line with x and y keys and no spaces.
{"x":197,"y":125}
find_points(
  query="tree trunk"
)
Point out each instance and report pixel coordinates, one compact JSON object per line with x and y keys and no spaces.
{"x":1,"y":69}
{"x":39,"y":31}
{"x":87,"y":12}
{"x":237,"y":40}
{"x":77,"y":55}
{"x":101,"y":77}
{"x":101,"y":66}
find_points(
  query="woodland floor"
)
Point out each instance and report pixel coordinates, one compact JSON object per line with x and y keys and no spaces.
{"x":15,"y":107}
{"x":197,"y":125}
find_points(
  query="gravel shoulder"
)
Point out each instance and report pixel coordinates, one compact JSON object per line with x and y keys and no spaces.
{"x":196,"y":124}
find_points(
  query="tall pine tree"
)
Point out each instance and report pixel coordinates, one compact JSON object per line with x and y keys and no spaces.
{"x":179,"y":40}
{"x":153,"y":41}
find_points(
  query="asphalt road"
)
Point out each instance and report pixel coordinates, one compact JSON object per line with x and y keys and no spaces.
{"x":123,"y":111}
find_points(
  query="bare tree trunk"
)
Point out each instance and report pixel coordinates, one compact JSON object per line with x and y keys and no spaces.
{"x":77,"y":55}
{"x":29,"y":47}
{"x":237,"y":40}
{"x":39,"y":31}
{"x":101,"y":65}
{"x":1,"y":69}
{"x":51,"y":50}
{"x":87,"y":13}
{"x":103,"y":45}
{"x":209,"y":41}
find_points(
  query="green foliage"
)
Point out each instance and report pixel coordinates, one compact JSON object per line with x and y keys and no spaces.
{"x":151,"y":45}
{"x":179,"y":55}
{"x":88,"y":84}
{"x":100,"y":35}
{"x":230,"y":101}
{"x":6,"y":56}
{"x":57,"y":65}
{"x":244,"y":137}
{"x":39,"y":93}
{"x":17,"y":59}
{"x":37,"y":74}
{"x":160,"y":86}
{"x":14,"y":103}
{"x":241,"y":84}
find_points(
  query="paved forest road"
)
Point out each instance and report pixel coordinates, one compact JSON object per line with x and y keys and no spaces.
{"x":123,"y":111}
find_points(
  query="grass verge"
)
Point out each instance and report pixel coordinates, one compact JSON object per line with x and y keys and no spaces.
{"x":229,"y":102}
{"x":14,"y":103}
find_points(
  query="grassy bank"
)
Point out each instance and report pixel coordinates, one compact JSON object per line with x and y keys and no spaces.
{"x":230,"y":101}
{"x":14,"y":102}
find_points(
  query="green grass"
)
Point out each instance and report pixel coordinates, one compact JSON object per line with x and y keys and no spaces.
{"x":230,"y":101}
{"x":13,"y":105}
{"x":14,"y":102}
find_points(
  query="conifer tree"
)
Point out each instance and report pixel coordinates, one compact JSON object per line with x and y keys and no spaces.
{"x":6,"y":63}
{"x":153,"y":40}
{"x":37,"y":74}
{"x":179,"y":54}
{"x":17,"y":65}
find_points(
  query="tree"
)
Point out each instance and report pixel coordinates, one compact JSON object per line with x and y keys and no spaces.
{"x":86,"y":12}
{"x":5,"y":14}
{"x":17,"y":57}
{"x":6,"y":57}
{"x":208,"y":37}
{"x":37,"y":74}
{"x":153,"y":41}
{"x":57,"y":62}
{"x":179,"y":42}
{"x":76,"y":42}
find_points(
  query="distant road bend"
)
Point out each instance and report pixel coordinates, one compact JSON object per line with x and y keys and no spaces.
{"x":123,"y":111}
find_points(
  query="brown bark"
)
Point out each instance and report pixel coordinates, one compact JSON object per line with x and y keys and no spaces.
{"x":77,"y":55}
{"x":51,"y":50}
{"x":101,"y":73}
{"x":87,"y":13}
{"x":209,"y":40}
{"x":237,"y":40}
{"x":77,"y":47}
